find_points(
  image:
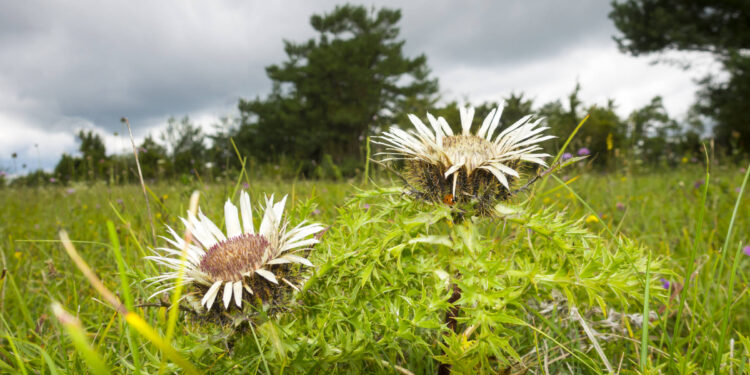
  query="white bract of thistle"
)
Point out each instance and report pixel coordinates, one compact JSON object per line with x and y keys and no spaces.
{"x":498,"y":154}
{"x":231,"y":260}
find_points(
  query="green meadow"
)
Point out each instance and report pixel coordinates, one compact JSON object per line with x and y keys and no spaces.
{"x":376,"y":299}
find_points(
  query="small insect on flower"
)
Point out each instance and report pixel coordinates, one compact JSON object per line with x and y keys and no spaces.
{"x":243,"y":259}
{"x":448,"y":199}
{"x":481,"y":165}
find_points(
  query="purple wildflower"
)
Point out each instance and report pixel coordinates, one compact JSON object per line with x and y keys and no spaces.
{"x":620,"y":206}
{"x":583,"y":151}
{"x":567,"y":156}
{"x":70,"y":191}
{"x":698,"y":184}
{"x":746,"y":250}
{"x":245,"y":185}
{"x":664,"y":283}
{"x":315,"y":212}
{"x":366,"y":207}
{"x":52,"y":180}
{"x":737,"y":190}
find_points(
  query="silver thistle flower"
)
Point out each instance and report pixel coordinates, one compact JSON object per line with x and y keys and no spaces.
{"x":237,"y":259}
{"x":439,"y":161}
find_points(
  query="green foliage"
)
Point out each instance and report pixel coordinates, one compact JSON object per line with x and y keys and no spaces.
{"x":648,"y":26}
{"x":726,"y":102}
{"x":35,"y":178}
{"x":328,"y":169}
{"x":654,"y":136}
{"x":380,"y":292}
{"x":334,"y":89}
{"x":183,"y":153}
{"x":92,"y":164}
{"x":377,"y":297}
{"x":647,"y":136}
{"x":184,"y":142}
{"x":717,"y":27}
{"x":67,"y":167}
{"x":152,"y":157}
{"x":92,"y":146}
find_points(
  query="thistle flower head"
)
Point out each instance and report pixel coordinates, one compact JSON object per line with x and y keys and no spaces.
{"x":241,"y":261}
{"x":457,"y":167}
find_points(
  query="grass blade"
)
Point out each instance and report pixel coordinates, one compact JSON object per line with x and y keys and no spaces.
{"x":76,"y":333}
{"x":564,"y":147}
{"x":125,"y":286}
{"x":149,"y":333}
{"x":260,"y":350}
{"x":243,"y":171}
{"x":124,"y":282}
{"x":727,"y":310}
{"x":646,"y":312}
{"x":133,"y":319}
{"x":21,"y":365}
{"x":592,"y":337}
{"x":47,"y":359}
{"x":570,"y":138}
{"x":366,"y":175}
{"x":691,"y":264}
{"x":730,"y":231}
{"x":21,"y":302}
{"x":143,"y":184}
{"x":132,"y":234}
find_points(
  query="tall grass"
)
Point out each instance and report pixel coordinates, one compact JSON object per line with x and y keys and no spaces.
{"x":697,"y":228}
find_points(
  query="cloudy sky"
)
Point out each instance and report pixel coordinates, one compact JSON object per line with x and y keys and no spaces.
{"x":66,"y":66}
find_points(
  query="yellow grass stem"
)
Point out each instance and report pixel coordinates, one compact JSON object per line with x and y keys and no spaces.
{"x":132,"y":319}
{"x":143,"y":184}
{"x":78,"y":335}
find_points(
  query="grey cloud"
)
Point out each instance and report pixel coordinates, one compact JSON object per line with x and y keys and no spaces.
{"x":495,"y":33}
{"x":101,"y":60}
{"x":67,"y":65}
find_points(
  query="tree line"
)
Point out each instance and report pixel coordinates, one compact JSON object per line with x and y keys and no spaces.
{"x":353,"y":80}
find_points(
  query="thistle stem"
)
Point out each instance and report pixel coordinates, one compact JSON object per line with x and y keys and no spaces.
{"x":450,"y":320}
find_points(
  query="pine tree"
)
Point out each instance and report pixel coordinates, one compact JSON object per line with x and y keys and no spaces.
{"x":335,"y":88}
